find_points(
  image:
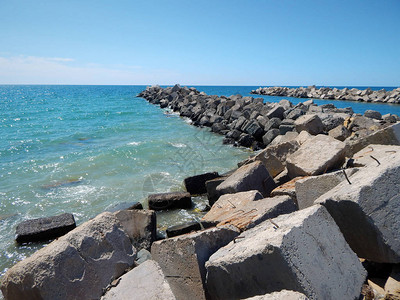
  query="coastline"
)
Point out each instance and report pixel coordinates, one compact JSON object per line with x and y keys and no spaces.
{"x":353,"y":94}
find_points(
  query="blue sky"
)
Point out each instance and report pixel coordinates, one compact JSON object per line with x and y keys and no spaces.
{"x":257,"y":42}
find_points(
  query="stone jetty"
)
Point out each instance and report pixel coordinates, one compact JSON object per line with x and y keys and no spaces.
{"x":367,"y":95}
{"x":313,"y":214}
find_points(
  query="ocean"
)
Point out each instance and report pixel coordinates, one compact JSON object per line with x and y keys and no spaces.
{"x":87,"y":149}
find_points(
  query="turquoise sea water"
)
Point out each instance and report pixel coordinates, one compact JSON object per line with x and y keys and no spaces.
{"x":87,"y":149}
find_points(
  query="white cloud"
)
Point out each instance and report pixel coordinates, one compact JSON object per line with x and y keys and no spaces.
{"x":57,"y":70}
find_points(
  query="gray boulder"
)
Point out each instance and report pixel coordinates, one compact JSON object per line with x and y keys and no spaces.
{"x":373,"y":114}
{"x":367,"y":211}
{"x":270,"y":136}
{"x":183,"y":259}
{"x":310,"y":123}
{"x":276,"y":112}
{"x":303,"y":251}
{"x":146,"y":281}
{"x":253,"y":176}
{"x":310,"y":188}
{"x":78,"y":265}
{"x":140,"y":225}
{"x":339,"y":132}
{"x":316,"y":156}
{"x":43,"y":229}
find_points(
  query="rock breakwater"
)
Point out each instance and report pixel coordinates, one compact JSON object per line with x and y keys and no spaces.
{"x":249,"y":122}
{"x":367,"y":95}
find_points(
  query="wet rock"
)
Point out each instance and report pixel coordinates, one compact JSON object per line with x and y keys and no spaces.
{"x":367,"y":210}
{"x":247,"y":209}
{"x":303,"y":251}
{"x":196,"y":185}
{"x":316,"y":156}
{"x":146,"y":281}
{"x":78,"y":265}
{"x":170,"y":200}
{"x":182,"y":259}
{"x":44,"y":229}
{"x":246,"y":140}
{"x":253,"y":176}
{"x":310,"y":123}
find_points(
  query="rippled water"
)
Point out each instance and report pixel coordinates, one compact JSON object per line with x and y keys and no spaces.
{"x":87,"y":149}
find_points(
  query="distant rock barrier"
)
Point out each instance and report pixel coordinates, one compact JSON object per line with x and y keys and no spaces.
{"x":249,"y":122}
{"x":367,"y":95}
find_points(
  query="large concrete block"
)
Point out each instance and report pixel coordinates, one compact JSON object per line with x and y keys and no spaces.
{"x":288,"y":188}
{"x":182,"y":259}
{"x":274,"y":156}
{"x":303,"y":251}
{"x":79,"y":265}
{"x":44,"y":229}
{"x":372,"y":154}
{"x":367,"y":211}
{"x":310,"y":188}
{"x":310,"y":123}
{"x":211,"y":186}
{"x":169,"y":200}
{"x":146,"y":281}
{"x":247,"y":209}
{"x":140,"y":225}
{"x":282,"y":295}
{"x":387,"y":136}
{"x":253,"y":176}
{"x":196,"y":185}
{"x":316,"y":156}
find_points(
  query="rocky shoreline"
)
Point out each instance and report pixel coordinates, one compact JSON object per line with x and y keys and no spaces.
{"x":312,"y":215}
{"x":367,"y":95}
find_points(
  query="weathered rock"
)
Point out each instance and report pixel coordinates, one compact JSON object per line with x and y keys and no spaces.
{"x":303,"y":137}
{"x":372,"y":155}
{"x":170,"y":200}
{"x":272,"y":123}
{"x":373,"y":114}
{"x":140,"y":225}
{"x":188,"y":227}
{"x":247,"y":209}
{"x":316,"y":156}
{"x":367,"y":210}
{"x":282,"y":295}
{"x":196,"y":185}
{"x":246,"y":140}
{"x":146,"y":281}
{"x":44,"y":229}
{"x":211,"y":186}
{"x":274,"y":156}
{"x":310,"y":188}
{"x":253,"y":176}
{"x":182,"y":259}
{"x":270,"y":136}
{"x":78,"y":265}
{"x":340,"y":133}
{"x":276,"y":112}
{"x":285,"y":128}
{"x":288,"y":189}
{"x":287,"y":137}
{"x":387,"y":136}
{"x":303,"y":251}
{"x":310,"y":123}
